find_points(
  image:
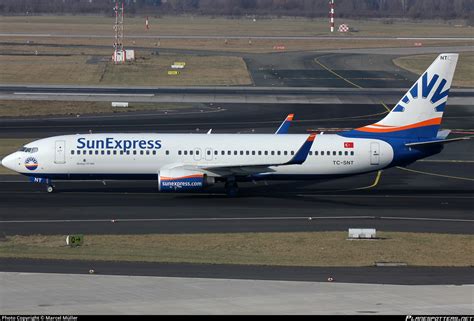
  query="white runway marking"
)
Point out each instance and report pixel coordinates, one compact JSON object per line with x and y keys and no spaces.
{"x":425,"y":219}
{"x":112,"y":220}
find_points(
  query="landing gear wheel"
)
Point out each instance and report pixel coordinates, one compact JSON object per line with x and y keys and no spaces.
{"x":231,"y":189}
{"x":50,"y":189}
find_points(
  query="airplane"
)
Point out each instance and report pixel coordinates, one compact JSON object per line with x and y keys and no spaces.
{"x":192,"y":162}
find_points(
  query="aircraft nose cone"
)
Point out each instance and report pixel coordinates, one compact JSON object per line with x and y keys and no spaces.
{"x":8,"y":162}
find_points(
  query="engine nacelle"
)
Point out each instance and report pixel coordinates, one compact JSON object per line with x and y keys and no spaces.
{"x":182,"y":180}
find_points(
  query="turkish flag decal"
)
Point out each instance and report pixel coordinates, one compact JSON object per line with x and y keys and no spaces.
{"x":348,"y":145}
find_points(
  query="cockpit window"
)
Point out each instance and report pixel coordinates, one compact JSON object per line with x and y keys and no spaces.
{"x":28,"y":149}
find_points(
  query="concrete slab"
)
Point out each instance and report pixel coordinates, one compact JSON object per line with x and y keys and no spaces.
{"x":36,"y":293}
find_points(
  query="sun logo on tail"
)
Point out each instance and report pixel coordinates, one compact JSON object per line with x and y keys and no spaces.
{"x":426,"y":89}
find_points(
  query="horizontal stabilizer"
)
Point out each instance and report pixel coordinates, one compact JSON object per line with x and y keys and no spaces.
{"x":438,"y":142}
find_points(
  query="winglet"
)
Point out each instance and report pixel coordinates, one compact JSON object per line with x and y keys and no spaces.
{"x":303,"y":152}
{"x":283,"y":129}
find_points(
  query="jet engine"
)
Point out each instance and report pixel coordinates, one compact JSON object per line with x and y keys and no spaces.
{"x":182,"y":180}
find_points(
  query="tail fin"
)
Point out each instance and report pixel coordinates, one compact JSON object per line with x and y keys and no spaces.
{"x":419,"y":113}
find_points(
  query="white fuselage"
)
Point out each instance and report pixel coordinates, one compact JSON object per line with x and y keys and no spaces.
{"x":137,"y":154}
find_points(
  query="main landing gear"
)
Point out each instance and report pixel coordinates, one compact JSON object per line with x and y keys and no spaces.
{"x":231,"y":189}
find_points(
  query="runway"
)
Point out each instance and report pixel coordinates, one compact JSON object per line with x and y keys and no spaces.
{"x":66,"y":294}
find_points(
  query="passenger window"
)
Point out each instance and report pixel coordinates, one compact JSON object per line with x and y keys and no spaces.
{"x":278,"y":153}
{"x":148,"y":152}
{"x":266,"y":152}
{"x":115,"y":152}
{"x":273,"y":152}
{"x":229,"y":152}
{"x":292,"y":152}
{"x":167,"y":152}
{"x":247,"y":152}
{"x":134,"y":152}
{"x":121,"y":152}
{"x":222,"y":152}
{"x":322,"y":153}
{"x":340,"y":153}
{"x":72,"y":152}
{"x":90,"y":152}
{"x":185,"y":152}
{"x":235,"y":152}
{"x":96,"y":152}
{"x":191,"y":152}
{"x":108,"y":152}
{"x":352,"y":153}
{"x":208,"y":152}
{"x":334,"y":153}
{"x":346,"y":153}
{"x":102,"y":152}
{"x":315,"y":153}
{"x":253,"y":152}
{"x":259,"y":152}
{"x":241,"y":152}
{"x":310,"y":153}
{"x":216,"y":152}
{"x":128,"y":152}
{"x":285,"y":152}
{"x":154,"y":152}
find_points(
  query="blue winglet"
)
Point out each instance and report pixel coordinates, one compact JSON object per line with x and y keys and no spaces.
{"x":303,"y":152}
{"x":283,"y":129}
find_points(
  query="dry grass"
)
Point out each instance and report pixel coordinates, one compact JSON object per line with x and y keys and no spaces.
{"x":148,"y":70}
{"x":287,"y":249}
{"x":463,"y":77}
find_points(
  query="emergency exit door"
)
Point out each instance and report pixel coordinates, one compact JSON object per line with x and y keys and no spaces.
{"x":60,"y":153}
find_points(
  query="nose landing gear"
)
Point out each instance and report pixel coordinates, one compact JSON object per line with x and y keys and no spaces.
{"x":50,"y":189}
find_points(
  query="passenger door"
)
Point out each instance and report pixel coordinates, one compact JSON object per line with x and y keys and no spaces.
{"x":60,"y":152}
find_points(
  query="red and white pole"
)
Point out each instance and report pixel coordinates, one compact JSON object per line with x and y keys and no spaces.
{"x":331,"y":14}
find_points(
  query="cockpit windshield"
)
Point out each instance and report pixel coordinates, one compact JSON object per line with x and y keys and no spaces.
{"x":28,"y":149}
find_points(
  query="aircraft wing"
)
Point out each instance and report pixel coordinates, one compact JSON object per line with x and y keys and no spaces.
{"x":253,"y":168}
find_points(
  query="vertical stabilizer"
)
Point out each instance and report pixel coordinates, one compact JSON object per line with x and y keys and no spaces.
{"x":419,"y":113}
